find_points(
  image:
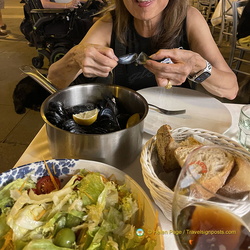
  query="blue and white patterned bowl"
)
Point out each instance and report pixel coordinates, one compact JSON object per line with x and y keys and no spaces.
{"x":60,"y":168}
{"x":65,"y":168}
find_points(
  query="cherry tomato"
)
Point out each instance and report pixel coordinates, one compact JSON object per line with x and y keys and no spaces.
{"x":45,"y":185}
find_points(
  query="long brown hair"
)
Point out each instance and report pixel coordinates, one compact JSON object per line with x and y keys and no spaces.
{"x":169,"y":30}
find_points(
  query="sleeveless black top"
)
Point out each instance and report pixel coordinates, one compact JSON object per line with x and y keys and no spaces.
{"x":137,"y":76}
{"x":133,"y":76}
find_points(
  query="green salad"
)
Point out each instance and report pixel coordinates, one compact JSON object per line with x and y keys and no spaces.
{"x":89,"y":212}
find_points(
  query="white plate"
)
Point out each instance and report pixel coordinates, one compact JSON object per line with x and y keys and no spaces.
{"x":63,"y":168}
{"x":202,"y":110}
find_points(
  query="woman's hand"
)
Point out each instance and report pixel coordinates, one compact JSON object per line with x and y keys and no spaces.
{"x":73,"y":4}
{"x":185,"y":63}
{"x":95,"y":60}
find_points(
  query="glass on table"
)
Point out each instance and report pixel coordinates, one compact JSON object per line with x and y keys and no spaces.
{"x":244,"y":127}
{"x":204,"y":215}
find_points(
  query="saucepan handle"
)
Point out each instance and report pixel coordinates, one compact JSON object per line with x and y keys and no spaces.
{"x":39,"y":78}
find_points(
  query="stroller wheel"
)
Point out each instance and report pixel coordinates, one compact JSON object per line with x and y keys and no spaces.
{"x":37,"y":62}
{"x":57,"y":54}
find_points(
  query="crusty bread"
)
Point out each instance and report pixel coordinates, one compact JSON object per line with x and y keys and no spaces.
{"x":181,"y":153}
{"x":226,"y":174}
{"x":165,"y":145}
{"x":238,"y":180}
{"x":214,"y":166}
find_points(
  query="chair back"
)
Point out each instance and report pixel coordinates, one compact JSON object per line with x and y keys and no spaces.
{"x":207,"y":7}
{"x":226,"y":21}
{"x":237,"y":7}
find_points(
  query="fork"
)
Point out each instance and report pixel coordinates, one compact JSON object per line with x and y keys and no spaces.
{"x":168,"y":112}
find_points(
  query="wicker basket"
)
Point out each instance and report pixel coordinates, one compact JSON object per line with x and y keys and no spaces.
{"x":152,"y":172}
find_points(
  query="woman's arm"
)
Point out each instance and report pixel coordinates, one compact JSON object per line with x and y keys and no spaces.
{"x":92,"y":56}
{"x":222,"y":81}
{"x":47,"y":4}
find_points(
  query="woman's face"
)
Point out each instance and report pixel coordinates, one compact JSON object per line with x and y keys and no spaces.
{"x":146,"y":10}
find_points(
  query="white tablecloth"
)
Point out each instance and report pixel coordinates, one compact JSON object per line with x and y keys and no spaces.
{"x":217,"y":15}
{"x":39,"y":150}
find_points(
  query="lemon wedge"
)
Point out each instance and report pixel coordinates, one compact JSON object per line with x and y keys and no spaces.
{"x":86,"y":118}
{"x":132,"y":120}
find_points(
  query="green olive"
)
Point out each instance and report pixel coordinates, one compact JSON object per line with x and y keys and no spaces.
{"x":72,"y":221}
{"x":4,"y":228}
{"x":65,"y":238}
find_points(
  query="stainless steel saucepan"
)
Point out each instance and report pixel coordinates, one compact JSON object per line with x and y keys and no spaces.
{"x":118,"y":148}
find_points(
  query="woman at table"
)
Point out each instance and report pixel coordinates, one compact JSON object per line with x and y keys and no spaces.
{"x":159,"y":28}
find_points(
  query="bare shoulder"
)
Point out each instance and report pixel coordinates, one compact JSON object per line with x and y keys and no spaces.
{"x":194,"y":17}
{"x":100,"y":32}
{"x":199,"y":35}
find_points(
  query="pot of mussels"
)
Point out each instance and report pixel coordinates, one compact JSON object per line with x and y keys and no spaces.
{"x":93,"y":121}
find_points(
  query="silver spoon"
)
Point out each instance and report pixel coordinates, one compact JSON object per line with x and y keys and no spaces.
{"x":168,"y":112}
{"x":139,"y":59}
{"x":128,"y":58}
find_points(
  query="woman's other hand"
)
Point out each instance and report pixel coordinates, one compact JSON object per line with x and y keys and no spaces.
{"x":185,"y":63}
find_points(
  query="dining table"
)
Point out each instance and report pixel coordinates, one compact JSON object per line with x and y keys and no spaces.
{"x":39,"y":150}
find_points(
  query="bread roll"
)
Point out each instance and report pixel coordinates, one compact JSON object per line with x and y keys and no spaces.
{"x":238,"y":180}
{"x":213,"y":164}
{"x":181,"y":153}
{"x":165,"y":145}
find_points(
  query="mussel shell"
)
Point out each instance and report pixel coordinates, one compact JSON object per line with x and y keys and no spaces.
{"x":104,"y":126}
{"x":122,"y":119}
{"x":106,"y":113}
{"x":111,"y":117}
{"x":54,"y":118}
{"x":71,"y":126}
{"x":81,"y":108}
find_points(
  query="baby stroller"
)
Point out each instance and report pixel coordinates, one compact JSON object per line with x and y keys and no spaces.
{"x":54,"y":31}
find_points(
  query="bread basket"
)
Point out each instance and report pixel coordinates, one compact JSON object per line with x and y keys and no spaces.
{"x":152,"y":172}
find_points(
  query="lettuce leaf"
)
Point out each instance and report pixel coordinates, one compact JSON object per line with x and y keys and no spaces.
{"x":90,"y":187}
{"x":6,"y":200}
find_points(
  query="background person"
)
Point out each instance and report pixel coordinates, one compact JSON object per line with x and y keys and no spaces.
{"x":155,"y":27}
{"x":3,"y":26}
{"x":243,"y":29}
{"x":60,"y":4}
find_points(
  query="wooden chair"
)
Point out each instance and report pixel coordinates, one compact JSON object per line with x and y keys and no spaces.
{"x":226,"y":21}
{"x":238,"y":52}
{"x":206,"y":7}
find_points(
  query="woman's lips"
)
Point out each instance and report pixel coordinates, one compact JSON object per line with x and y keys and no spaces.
{"x":143,"y":3}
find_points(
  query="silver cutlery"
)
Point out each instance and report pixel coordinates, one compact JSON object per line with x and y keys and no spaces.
{"x":139,"y":59}
{"x":168,"y":112}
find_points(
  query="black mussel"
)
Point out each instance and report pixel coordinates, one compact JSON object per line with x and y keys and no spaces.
{"x":111,"y":117}
{"x":71,"y":126}
{"x":81,"y":108}
{"x":106,"y":113}
{"x":54,"y":105}
{"x":54,"y":118}
{"x":122,"y":119}
{"x":112,"y":104}
{"x":106,"y":116}
{"x":109,"y":102}
{"x":104,"y":126}
{"x":58,"y":107}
